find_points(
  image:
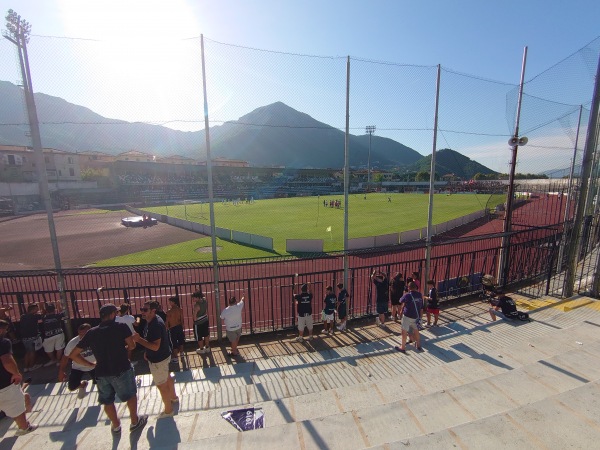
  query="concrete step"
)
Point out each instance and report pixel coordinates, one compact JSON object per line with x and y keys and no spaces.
{"x":430,"y":405}
{"x":293,"y":375}
{"x":301,"y":394}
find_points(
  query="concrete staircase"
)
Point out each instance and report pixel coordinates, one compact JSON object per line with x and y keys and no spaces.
{"x":479,"y":384}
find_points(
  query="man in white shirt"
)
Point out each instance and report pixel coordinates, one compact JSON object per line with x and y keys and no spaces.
{"x":77,"y":370}
{"x":232,"y":315}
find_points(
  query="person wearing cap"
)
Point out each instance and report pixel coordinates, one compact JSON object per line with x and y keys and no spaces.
{"x":114,"y":373}
{"x":13,"y":400}
{"x":155,"y":340}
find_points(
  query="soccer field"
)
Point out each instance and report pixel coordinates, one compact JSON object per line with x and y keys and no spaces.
{"x":312,"y":218}
{"x":303,"y":218}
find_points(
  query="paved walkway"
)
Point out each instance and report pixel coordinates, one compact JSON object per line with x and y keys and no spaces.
{"x":479,"y":384}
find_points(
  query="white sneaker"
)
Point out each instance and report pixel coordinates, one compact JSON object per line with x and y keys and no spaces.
{"x":81,"y":391}
{"x":49,"y":363}
{"x":206,"y":350}
{"x":23,"y":431}
{"x":299,"y":339}
{"x":377,"y":321}
{"x":200,"y":350}
{"x":35,"y":367}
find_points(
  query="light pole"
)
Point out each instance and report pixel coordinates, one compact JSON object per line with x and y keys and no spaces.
{"x":17,"y":31}
{"x":369,"y":129}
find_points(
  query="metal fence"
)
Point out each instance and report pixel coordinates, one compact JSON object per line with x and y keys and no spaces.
{"x":476,"y":115}
{"x":269,"y":285}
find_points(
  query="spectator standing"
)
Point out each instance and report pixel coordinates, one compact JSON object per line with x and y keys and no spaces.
{"x":382,"y":293}
{"x":11,"y":328}
{"x":416,"y":277}
{"x":78,"y":371}
{"x":342,"y":306}
{"x":303,"y":302}
{"x":29,"y":326}
{"x":433,"y":306}
{"x":330,"y":302}
{"x":412,"y":305}
{"x":232,"y":315}
{"x":396,"y":292}
{"x":114,"y":371}
{"x":201,"y":329}
{"x":125,"y":317}
{"x":329,"y":310}
{"x":54,"y":337}
{"x":175,"y":326}
{"x":158,"y":354}
{"x":13,"y":400}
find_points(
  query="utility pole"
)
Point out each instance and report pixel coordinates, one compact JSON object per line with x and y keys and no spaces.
{"x":369,"y":129}
{"x":18,"y":31}
{"x":211,"y":206}
{"x":514,"y":142}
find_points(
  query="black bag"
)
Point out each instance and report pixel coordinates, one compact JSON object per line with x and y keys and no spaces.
{"x":523,"y":316}
{"x":201,"y":320}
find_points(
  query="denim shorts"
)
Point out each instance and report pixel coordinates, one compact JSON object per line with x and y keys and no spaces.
{"x":29,"y":343}
{"x":122,"y":385}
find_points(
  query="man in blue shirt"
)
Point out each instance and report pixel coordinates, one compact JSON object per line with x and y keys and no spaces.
{"x":412,"y":307}
{"x":158,"y":354}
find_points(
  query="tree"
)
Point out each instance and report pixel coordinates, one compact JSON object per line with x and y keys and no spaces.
{"x":422,"y":176}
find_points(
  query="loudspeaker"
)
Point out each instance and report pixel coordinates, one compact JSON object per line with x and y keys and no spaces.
{"x":513,"y":141}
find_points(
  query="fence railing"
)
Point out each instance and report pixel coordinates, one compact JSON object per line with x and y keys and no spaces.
{"x":268,"y":285}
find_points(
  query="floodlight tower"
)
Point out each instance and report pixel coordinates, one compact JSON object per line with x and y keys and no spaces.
{"x":369,"y":129}
{"x":18,"y":31}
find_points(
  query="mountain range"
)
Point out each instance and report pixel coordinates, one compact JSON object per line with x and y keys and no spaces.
{"x":271,"y":135}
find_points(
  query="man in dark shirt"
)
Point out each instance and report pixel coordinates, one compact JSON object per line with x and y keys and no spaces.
{"x":54,"y":337}
{"x":158,"y":354}
{"x":113,"y":369}
{"x":342,"y":307}
{"x":382,"y":286}
{"x":12,"y":399}
{"x":503,"y":306}
{"x":29,"y":327}
{"x":303,"y":302}
{"x":433,"y":306}
{"x":329,"y":310}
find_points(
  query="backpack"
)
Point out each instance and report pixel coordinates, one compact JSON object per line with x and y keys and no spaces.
{"x":518,"y":315}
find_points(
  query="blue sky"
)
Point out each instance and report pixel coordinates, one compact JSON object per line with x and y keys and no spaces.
{"x":483,"y":39}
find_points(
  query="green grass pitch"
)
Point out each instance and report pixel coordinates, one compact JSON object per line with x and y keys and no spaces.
{"x":307,"y":218}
